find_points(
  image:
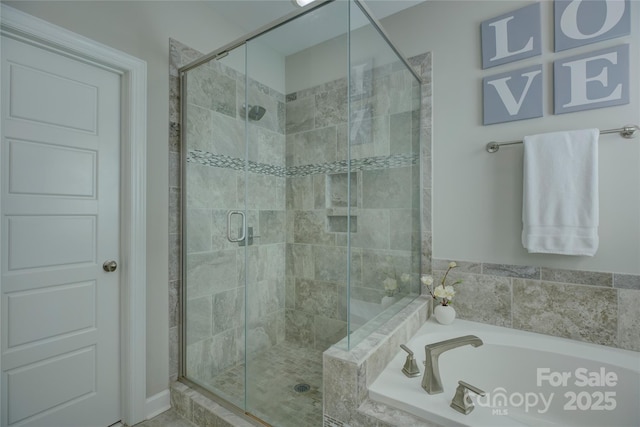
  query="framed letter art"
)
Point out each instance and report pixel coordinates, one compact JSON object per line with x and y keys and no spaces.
{"x":511,"y":37}
{"x":581,"y":22}
{"x":591,"y":80}
{"x":516,"y":95}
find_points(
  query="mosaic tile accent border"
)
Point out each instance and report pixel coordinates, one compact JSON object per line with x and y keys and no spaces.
{"x":369,"y":163}
{"x":226,"y":162}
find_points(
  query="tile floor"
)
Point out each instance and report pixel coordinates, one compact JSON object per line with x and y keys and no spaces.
{"x":274,"y":374}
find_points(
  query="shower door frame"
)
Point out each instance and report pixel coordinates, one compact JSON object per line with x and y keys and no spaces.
{"x":182,"y":71}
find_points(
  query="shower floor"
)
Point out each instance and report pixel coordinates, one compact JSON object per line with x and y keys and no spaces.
{"x":273,"y":374}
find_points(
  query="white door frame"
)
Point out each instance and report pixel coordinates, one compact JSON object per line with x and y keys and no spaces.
{"x":133,"y":72}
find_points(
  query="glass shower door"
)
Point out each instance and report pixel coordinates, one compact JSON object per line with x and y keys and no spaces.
{"x":213,"y":200}
{"x":297,"y":268}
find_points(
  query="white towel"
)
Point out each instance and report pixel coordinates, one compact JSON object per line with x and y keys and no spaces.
{"x":560,"y":194}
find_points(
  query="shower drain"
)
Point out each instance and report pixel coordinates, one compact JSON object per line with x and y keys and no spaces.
{"x":301,"y":388}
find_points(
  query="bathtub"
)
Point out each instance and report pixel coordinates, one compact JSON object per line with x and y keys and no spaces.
{"x":529,"y":379}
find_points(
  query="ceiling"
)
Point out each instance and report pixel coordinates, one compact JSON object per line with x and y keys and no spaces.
{"x":251,"y":15}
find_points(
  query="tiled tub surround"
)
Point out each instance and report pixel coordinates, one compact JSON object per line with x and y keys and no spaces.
{"x":601,"y":308}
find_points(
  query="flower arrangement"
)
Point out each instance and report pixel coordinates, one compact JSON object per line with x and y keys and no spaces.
{"x":391,"y":283}
{"x":443,"y":291}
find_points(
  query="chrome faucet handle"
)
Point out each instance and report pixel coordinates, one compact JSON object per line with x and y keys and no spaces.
{"x":410,"y":368}
{"x":461,"y":400}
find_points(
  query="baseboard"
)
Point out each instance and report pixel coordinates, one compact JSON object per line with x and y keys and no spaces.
{"x":158,"y":403}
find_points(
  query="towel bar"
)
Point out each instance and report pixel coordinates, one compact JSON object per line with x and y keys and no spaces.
{"x":628,"y":131}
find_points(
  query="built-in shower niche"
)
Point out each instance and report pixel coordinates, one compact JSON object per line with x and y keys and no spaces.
{"x":341,"y":201}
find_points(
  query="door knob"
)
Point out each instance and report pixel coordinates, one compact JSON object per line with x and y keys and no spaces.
{"x":110,"y":266}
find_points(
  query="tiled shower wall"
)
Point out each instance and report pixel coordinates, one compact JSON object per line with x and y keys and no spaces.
{"x":384,"y":200}
{"x":385,"y":191}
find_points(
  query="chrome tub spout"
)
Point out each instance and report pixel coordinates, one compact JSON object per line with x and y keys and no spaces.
{"x":431,"y":382}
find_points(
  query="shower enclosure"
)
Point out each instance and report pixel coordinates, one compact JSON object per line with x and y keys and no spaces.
{"x":301,"y":205}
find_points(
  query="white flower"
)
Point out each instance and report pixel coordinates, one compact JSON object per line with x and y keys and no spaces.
{"x":452,"y":264}
{"x":446,"y":292}
{"x":390,"y":284}
{"x":427,"y":280}
{"x":405,"y":277}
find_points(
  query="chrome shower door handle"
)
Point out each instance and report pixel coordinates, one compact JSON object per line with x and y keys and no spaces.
{"x":241,"y":237}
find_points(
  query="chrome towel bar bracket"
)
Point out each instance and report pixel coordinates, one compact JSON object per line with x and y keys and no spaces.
{"x":628,"y":131}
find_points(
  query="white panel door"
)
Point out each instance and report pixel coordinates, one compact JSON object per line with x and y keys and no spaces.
{"x":60,"y":223}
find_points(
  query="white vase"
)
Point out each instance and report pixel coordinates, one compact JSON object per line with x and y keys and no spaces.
{"x":445,"y":314}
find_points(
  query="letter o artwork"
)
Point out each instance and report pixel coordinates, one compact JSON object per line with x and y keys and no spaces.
{"x":581,"y":22}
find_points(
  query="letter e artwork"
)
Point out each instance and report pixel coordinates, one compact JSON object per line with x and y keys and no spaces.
{"x":593,"y":80}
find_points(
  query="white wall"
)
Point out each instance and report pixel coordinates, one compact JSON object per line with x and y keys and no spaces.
{"x":477,"y":196}
{"x":143,"y":29}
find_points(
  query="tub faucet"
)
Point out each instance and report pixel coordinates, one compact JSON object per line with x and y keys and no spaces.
{"x":431,"y":382}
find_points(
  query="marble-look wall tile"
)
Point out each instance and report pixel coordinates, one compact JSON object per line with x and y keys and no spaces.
{"x":199,"y":318}
{"x":174,"y":170}
{"x":199,"y":230}
{"x":175,"y":257}
{"x":175,"y":213}
{"x":272,"y":227}
{"x":402,"y":225}
{"x":571,"y":311}
{"x":373,"y":229}
{"x":577,"y":277}
{"x":200,"y":192}
{"x":312,"y":147}
{"x":517,"y":271}
{"x":328,"y":331}
{"x":174,"y":352}
{"x":266,"y":262}
{"x":175,"y":301}
{"x":299,"y":328}
{"x":316,"y":297}
{"x":300,"y":115}
{"x":330,"y":264}
{"x":271,"y":119}
{"x":300,"y":261}
{"x":371,"y":137}
{"x":626,"y":281}
{"x":263,"y":191}
{"x":309,"y":227}
{"x":387,"y":188}
{"x":341,"y":388}
{"x":462,"y":266}
{"x":403,"y":131}
{"x":629,"y":319}
{"x":300,"y":193}
{"x":212,"y":90}
{"x":199,"y":128}
{"x":211,"y":272}
{"x":379,"y":265}
{"x":331,"y":108}
{"x":481,"y":298}
{"x":227,"y":136}
{"x":266,"y":146}
{"x":319,"y":191}
{"x":228,"y":310}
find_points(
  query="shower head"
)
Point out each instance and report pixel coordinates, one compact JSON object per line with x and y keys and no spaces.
{"x":255,"y":112}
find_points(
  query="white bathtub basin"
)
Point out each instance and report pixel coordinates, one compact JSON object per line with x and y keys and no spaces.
{"x":530,"y":380}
